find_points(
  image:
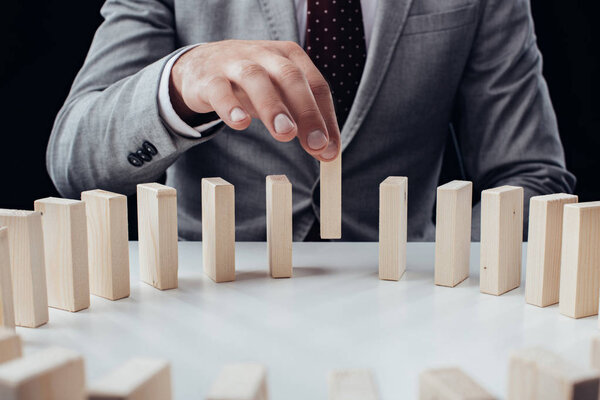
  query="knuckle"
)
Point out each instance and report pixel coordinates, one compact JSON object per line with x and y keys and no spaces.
{"x":271,"y":105}
{"x":309,"y":114}
{"x":291,"y":46}
{"x":290,"y":73}
{"x":251,"y":71}
{"x":320,"y":88}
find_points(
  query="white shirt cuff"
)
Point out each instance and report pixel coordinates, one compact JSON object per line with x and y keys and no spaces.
{"x":166,"y":110}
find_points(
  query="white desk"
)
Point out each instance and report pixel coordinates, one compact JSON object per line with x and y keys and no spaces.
{"x":334,"y":313}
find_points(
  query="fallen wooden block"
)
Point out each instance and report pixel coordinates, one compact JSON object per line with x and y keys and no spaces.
{"x":10,"y":345}
{"x":137,"y":379}
{"x":392,"y":227}
{"x":108,"y":243}
{"x":218,"y":229}
{"x":7,"y":308}
{"x":544,"y":248}
{"x":453,"y":232}
{"x":539,"y":374}
{"x":65,"y":250}
{"x":595,"y":353}
{"x":28,"y":271}
{"x":157,"y":235}
{"x":279,"y":226}
{"x":52,"y":374}
{"x":352,"y":384}
{"x":580,"y":261}
{"x":501,"y":239}
{"x":240,"y":382}
{"x":331,"y":199}
{"x":450,"y":384}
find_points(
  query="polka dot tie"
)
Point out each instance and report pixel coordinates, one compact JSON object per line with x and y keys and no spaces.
{"x":335,"y":42}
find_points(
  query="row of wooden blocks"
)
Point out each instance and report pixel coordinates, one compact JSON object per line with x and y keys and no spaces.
{"x":59,"y":374}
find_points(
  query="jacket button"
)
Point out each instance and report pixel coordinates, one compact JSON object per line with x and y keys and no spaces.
{"x":149,"y":148}
{"x":134,"y":160}
{"x":143,"y":155}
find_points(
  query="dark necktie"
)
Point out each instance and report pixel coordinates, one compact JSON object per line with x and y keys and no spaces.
{"x":335,"y":42}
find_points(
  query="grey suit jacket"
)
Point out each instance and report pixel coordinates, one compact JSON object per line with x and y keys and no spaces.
{"x":430,"y":62}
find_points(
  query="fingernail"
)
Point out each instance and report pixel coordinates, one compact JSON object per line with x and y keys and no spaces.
{"x":316,"y":140}
{"x":331,"y":151}
{"x":283,"y":124}
{"x":237,"y":115}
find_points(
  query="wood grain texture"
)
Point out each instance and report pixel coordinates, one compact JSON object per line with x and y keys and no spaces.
{"x":218,"y":229}
{"x":352,"y":384}
{"x":501,"y":239}
{"x":580,"y":261}
{"x":240,"y":382}
{"x":544,"y":248}
{"x":453,"y":232}
{"x":538,"y":374}
{"x":331,"y":199}
{"x":137,"y":379}
{"x":65,"y":249}
{"x":28,"y":270}
{"x":279,"y":226}
{"x":157,"y":235}
{"x":7,"y":308}
{"x":51,"y":374}
{"x":450,"y":384}
{"x":108,"y":250}
{"x":595,"y":352}
{"x":10,"y":345}
{"x":393,"y":199}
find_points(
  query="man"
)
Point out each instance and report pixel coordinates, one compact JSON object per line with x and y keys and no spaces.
{"x":162,"y":89}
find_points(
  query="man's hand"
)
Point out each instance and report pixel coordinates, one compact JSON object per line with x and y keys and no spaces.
{"x":271,"y":80}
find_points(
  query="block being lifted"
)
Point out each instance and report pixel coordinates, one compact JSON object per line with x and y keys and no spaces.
{"x":331,"y":199}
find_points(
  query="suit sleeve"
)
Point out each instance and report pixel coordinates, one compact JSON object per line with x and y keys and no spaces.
{"x":507,"y":127}
{"x":112,"y":108}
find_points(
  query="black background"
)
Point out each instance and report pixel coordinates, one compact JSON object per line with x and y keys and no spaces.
{"x":43,"y":44}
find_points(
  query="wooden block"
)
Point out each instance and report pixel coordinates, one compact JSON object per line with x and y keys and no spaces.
{"x":453,"y":232}
{"x":65,"y":250}
{"x":28,"y":271}
{"x":157,"y":235}
{"x":10,"y":345}
{"x":331,"y":199}
{"x":51,"y":374}
{"x":218,"y":229}
{"x":240,"y":382}
{"x":544,"y":248}
{"x":392,"y":227}
{"x":137,"y":379}
{"x":595,"y":353}
{"x":501,"y":239}
{"x":7,"y":308}
{"x":538,"y":374}
{"x":352,"y":384}
{"x":279,"y":226}
{"x":580,"y":261}
{"x":108,"y":243}
{"x":450,"y":384}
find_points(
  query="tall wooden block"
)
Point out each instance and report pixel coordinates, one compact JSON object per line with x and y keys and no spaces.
{"x":538,"y":374}
{"x":108,"y":246}
{"x":65,"y":249}
{"x":331,"y":199}
{"x":501,"y":239}
{"x":392,"y":227}
{"x":580,"y":261}
{"x":352,"y":384}
{"x":544,"y":248}
{"x":28,"y":271}
{"x":450,"y":384}
{"x":137,"y":379}
{"x":218,"y":229}
{"x":10,"y":345}
{"x":595,"y":353}
{"x":7,"y":308}
{"x":279,"y":226}
{"x":51,"y":374}
{"x":240,"y":382}
{"x":453,"y":232}
{"x":157,"y":235}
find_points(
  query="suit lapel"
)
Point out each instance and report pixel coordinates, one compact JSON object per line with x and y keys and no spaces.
{"x":281,"y":19}
{"x":389,"y":21}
